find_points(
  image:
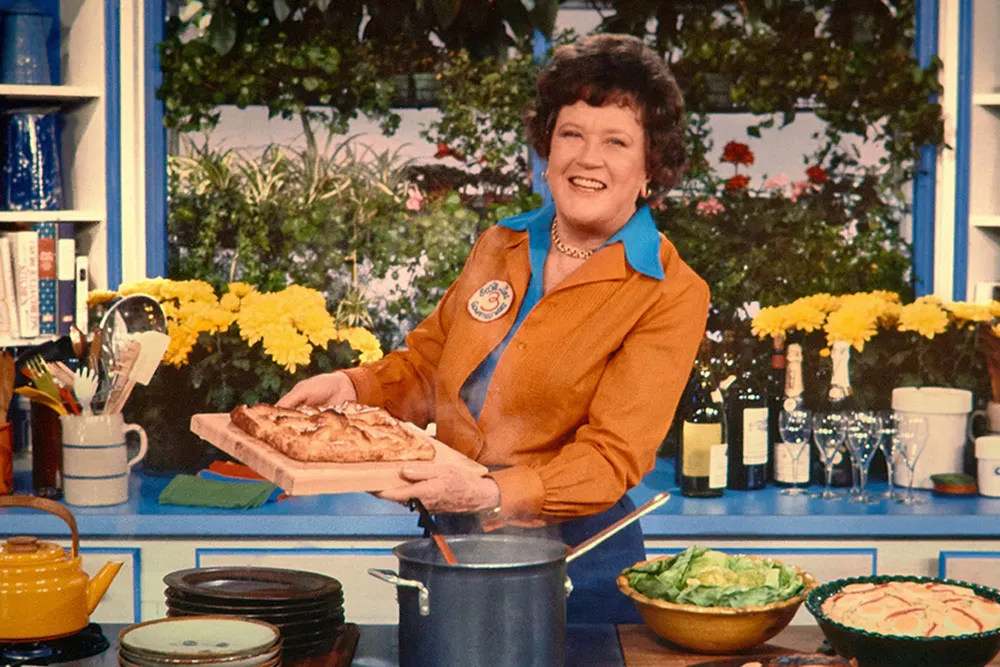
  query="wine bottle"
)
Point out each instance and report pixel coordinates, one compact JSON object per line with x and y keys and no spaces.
{"x":746,"y":426}
{"x":838,"y":398}
{"x":703,"y":453}
{"x":792,"y":400}
{"x":775,"y":395}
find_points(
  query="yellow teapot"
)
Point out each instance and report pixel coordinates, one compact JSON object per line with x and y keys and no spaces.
{"x":44,"y":592}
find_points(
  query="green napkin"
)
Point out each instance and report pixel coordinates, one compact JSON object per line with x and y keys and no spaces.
{"x":198,"y":492}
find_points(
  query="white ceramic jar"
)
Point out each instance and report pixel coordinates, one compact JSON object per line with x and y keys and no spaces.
{"x":988,"y":464}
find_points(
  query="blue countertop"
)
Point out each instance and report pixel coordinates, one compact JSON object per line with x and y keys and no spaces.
{"x":361,"y":515}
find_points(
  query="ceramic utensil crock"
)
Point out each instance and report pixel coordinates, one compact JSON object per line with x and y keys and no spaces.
{"x":44,"y":592}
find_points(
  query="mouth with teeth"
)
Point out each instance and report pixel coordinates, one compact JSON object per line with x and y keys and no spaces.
{"x":588,"y":184}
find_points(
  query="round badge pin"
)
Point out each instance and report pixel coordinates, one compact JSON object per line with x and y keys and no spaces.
{"x":491,"y":300}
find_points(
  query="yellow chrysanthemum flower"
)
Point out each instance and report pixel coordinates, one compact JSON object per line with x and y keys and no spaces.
{"x":995,"y":308}
{"x":969,"y":312}
{"x":804,"y":315}
{"x":924,"y":316}
{"x":240,"y":290}
{"x":363,"y":341}
{"x":771,"y":321}
{"x":853,"y":323}
{"x":823,"y":302}
{"x":995,"y":330}
{"x":230,"y":302}
{"x":100,"y":296}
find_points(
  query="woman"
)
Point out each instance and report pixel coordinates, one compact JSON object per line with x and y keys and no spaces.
{"x":558,"y":356}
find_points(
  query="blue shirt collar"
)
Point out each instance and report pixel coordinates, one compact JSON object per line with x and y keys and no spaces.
{"x":639,"y":236}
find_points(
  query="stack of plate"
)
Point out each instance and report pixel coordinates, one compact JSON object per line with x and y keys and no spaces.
{"x":200,"y":642}
{"x":307,"y":608}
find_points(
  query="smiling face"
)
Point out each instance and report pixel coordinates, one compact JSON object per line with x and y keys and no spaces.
{"x":597,"y":167}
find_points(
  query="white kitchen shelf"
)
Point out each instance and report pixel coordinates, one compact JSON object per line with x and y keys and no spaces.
{"x":985,"y":221}
{"x":52,"y":94}
{"x":51,"y":216}
{"x":986,"y":99}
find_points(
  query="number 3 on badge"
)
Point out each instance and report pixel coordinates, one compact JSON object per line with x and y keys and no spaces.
{"x":491,"y":300}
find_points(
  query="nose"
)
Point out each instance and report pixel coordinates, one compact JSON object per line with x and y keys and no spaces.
{"x":590,"y":155}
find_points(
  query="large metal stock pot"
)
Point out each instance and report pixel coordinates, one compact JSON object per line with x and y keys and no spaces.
{"x":502,"y":605}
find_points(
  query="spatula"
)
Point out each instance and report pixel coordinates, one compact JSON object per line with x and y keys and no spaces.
{"x":427,"y":521}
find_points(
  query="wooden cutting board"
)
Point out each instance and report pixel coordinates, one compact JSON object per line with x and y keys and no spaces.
{"x":299,"y":478}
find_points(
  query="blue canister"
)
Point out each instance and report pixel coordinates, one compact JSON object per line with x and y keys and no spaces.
{"x":24,"y":58}
{"x":31,"y":177}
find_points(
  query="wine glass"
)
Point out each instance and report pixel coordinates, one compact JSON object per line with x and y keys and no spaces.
{"x":795,"y":427}
{"x":888,"y":446}
{"x":829,"y":431}
{"x":864,"y":431}
{"x":854,"y":433}
{"x":911,"y":436}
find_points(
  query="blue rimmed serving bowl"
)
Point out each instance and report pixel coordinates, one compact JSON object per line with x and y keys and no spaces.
{"x":871,"y":649}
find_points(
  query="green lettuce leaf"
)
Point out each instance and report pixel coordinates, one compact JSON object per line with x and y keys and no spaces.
{"x":710,"y":578}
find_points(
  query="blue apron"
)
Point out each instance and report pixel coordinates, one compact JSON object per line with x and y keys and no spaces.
{"x":595,"y":597}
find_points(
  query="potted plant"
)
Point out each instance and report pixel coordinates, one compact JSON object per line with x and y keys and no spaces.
{"x":227,"y":348}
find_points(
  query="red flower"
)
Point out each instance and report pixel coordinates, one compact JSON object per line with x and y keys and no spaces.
{"x":737,"y":182}
{"x":444,"y":150}
{"x":817,"y":175}
{"x":737,"y":153}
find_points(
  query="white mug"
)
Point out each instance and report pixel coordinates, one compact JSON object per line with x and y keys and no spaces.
{"x":991,"y":415}
{"x":95,"y":463}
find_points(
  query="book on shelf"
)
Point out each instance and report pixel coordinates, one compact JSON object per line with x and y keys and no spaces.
{"x":24,"y":246}
{"x":8,"y":299}
{"x":46,"y":277}
{"x":65,"y":278}
{"x":82,"y":275}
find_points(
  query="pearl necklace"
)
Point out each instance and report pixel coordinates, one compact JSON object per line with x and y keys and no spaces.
{"x":570,"y":251}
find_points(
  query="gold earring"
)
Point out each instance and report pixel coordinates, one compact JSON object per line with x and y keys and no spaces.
{"x":644,"y":192}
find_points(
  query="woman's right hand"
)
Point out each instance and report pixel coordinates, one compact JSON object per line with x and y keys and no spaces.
{"x":320,"y":391}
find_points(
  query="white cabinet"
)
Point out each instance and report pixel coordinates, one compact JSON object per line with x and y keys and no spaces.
{"x":82,"y":99}
{"x":968,"y":208}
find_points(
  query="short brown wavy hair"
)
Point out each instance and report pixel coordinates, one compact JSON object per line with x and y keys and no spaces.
{"x":614,"y":68}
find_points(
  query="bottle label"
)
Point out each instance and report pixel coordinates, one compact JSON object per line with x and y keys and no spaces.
{"x":754,"y":436}
{"x":783,"y":463}
{"x":718,"y":475}
{"x":697,"y":441}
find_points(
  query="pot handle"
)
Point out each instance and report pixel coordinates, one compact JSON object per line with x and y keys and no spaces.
{"x":390,"y":577}
{"x":50,"y":506}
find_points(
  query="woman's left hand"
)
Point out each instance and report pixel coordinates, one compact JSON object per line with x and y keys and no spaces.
{"x":445,"y":489}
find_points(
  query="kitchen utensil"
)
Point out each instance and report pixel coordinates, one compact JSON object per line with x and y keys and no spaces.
{"x":44,"y":592}
{"x":39,"y":373}
{"x":42,"y":398}
{"x":875,"y":650}
{"x":94,"y":352}
{"x":61,"y":372}
{"x":715,"y":629}
{"x":121,"y":376}
{"x":448,"y":614}
{"x":85,"y":387}
{"x":301,"y":479}
{"x":427,"y":521}
{"x":575,"y":552}
{"x":128,"y":316}
{"x":7,"y":373}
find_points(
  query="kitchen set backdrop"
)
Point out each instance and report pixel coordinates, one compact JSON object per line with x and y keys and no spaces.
{"x":821,"y":369}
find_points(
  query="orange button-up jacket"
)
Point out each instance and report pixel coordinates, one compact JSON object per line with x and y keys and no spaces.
{"x":584,"y":393}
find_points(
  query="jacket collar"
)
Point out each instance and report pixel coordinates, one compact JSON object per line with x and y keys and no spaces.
{"x":639,"y":237}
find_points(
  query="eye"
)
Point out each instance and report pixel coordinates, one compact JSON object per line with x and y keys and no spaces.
{"x":568,"y":133}
{"x":615,"y":141}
